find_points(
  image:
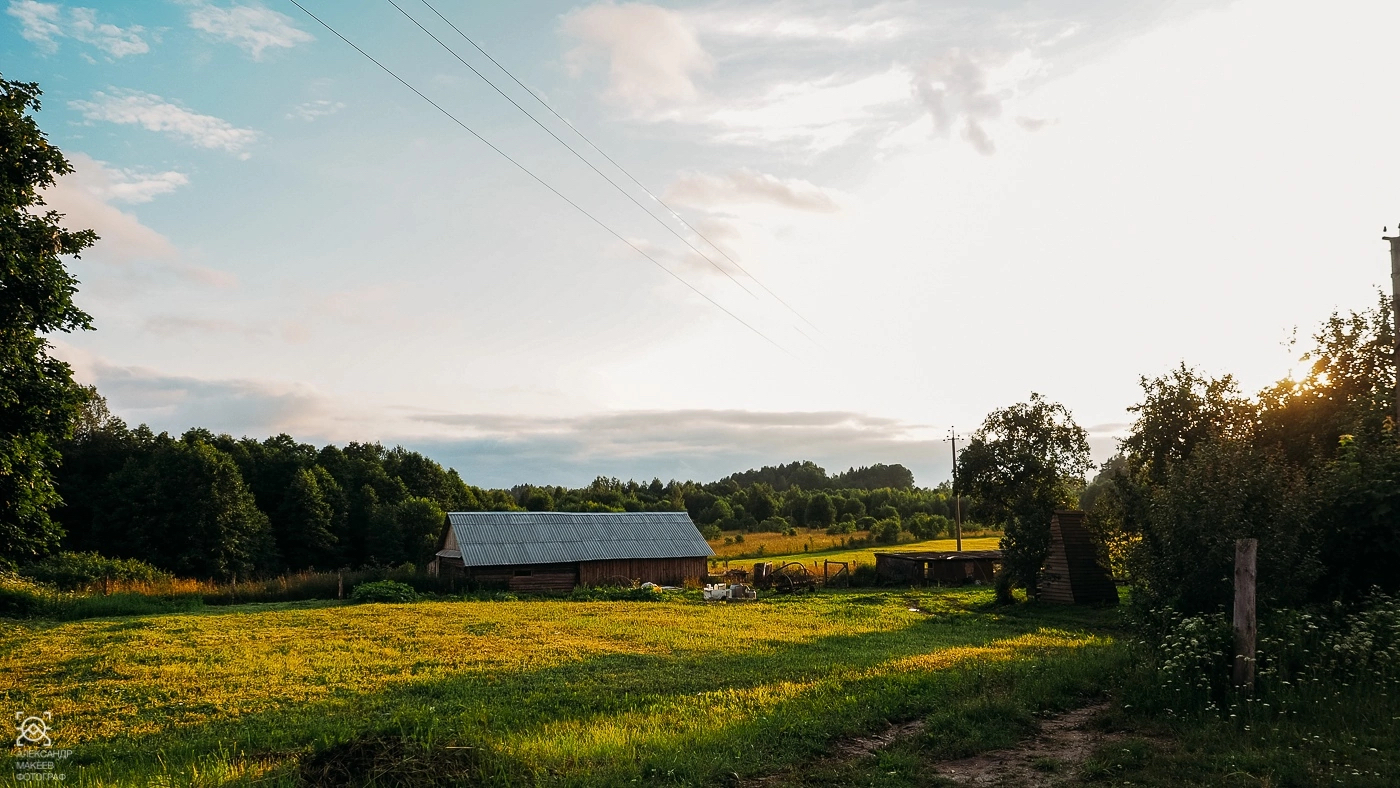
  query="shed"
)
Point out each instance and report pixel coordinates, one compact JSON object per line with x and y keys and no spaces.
{"x":939,"y":568}
{"x":555,"y":551}
{"x":1073,"y":574}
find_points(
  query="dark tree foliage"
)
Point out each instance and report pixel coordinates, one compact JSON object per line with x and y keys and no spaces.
{"x":360,"y":505}
{"x":1024,"y":462}
{"x":182,"y":506}
{"x":38,"y":398}
{"x":1310,"y":467}
{"x":875,"y":477}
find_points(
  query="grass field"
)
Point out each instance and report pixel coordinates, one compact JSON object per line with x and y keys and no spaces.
{"x":816,"y":541}
{"x":864,"y":555}
{"x":534,"y":691}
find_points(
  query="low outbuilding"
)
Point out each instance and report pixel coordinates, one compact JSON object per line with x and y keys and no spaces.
{"x":555,"y":551}
{"x":953,"y":568}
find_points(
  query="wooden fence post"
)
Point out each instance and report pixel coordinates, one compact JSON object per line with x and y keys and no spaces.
{"x":340,"y":584}
{"x":1246,"y":550}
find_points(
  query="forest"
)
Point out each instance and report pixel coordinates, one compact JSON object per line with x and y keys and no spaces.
{"x":202,"y":505}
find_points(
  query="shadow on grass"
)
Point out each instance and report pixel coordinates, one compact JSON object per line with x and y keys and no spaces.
{"x":689,"y":717}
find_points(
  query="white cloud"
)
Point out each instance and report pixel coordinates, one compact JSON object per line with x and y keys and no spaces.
{"x":85,"y":198}
{"x":154,"y":113}
{"x":818,"y":115}
{"x":45,"y":23}
{"x":965,"y":92}
{"x":254,"y":28}
{"x":745,"y":186}
{"x":789,"y":22}
{"x":653,"y":54}
{"x":311,"y":110}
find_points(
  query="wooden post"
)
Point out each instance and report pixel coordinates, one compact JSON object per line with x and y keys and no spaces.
{"x":1395,"y":307}
{"x":1246,"y":550}
{"x":340,"y":584}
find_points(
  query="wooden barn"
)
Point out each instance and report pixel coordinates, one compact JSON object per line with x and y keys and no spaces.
{"x":555,"y":551}
{"x":1072,"y":574}
{"x":939,"y":568}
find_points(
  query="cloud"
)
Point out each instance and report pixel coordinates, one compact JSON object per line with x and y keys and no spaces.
{"x":253,"y":28}
{"x":501,"y":449}
{"x":964,"y":92}
{"x":786,"y":22}
{"x":44,"y":23}
{"x":177,"y":402}
{"x":85,"y":198}
{"x":747,"y":186}
{"x":151,"y":112}
{"x":311,"y":110}
{"x":653,"y":54}
{"x":818,"y":114}
{"x":182,"y":326}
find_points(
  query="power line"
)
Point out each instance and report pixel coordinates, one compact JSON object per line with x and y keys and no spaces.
{"x":600,"y":152}
{"x":537,"y":178}
{"x":577,"y":155}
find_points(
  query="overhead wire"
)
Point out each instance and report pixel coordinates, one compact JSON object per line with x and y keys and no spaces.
{"x":675,"y":214}
{"x":538,"y":179}
{"x":577,"y":155}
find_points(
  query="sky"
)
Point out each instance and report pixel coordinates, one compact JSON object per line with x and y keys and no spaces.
{"x":897,"y":216}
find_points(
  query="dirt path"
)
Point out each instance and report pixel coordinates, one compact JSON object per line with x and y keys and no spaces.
{"x":1052,"y":756}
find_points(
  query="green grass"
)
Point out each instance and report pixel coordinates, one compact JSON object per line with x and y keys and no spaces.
{"x":543,"y":692}
{"x":865,"y":555}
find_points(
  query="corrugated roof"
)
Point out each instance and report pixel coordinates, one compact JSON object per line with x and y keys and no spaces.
{"x":507,"y":538}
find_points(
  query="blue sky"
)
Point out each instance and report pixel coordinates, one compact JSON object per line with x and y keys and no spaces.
{"x":968,"y":202}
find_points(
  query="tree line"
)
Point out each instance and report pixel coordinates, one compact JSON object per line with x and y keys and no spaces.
{"x":1308,"y":466}
{"x":207,"y":505}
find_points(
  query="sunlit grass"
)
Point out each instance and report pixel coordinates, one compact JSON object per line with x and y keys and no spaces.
{"x":816,"y":540}
{"x":863,"y":555}
{"x":563,"y":692}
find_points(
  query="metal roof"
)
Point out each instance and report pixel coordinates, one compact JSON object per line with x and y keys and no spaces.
{"x":512,"y":538}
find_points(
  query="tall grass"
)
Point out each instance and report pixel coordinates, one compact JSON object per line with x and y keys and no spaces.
{"x":22,"y":597}
{"x":1324,"y":704}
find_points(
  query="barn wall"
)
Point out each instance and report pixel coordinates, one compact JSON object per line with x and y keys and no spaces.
{"x":662,"y":571}
{"x":528,"y":577}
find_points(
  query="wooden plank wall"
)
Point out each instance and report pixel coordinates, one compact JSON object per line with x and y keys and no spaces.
{"x":530,"y":577}
{"x":662,"y":571}
{"x":1072,"y":573}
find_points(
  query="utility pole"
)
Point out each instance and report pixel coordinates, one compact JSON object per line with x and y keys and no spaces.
{"x":1395,"y":308}
{"x":957,"y":496}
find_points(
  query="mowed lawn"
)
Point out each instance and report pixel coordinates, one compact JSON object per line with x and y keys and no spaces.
{"x":542,"y":691}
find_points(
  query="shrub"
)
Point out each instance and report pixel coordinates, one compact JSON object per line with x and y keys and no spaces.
{"x":383,"y":591}
{"x":70,"y":571}
{"x":885,"y":531}
{"x":865,"y":523}
{"x":844,"y":527}
{"x":775,"y":525}
{"x":710,"y":532}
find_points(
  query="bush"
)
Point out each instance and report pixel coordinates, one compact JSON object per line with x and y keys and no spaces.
{"x":928,"y":526}
{"x":886,"y":531}
{"x":383,"y":591}
{"x":844,"y":527}
{"x":70,"y":571}
{"x":711,"y":532}
{"x":865,"y":523}
{"x":775,"y":525}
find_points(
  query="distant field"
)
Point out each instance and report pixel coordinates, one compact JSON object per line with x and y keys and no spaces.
{"x":814,"y":540}
{"x":855,"y":555}
{"x":528,"y":692}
